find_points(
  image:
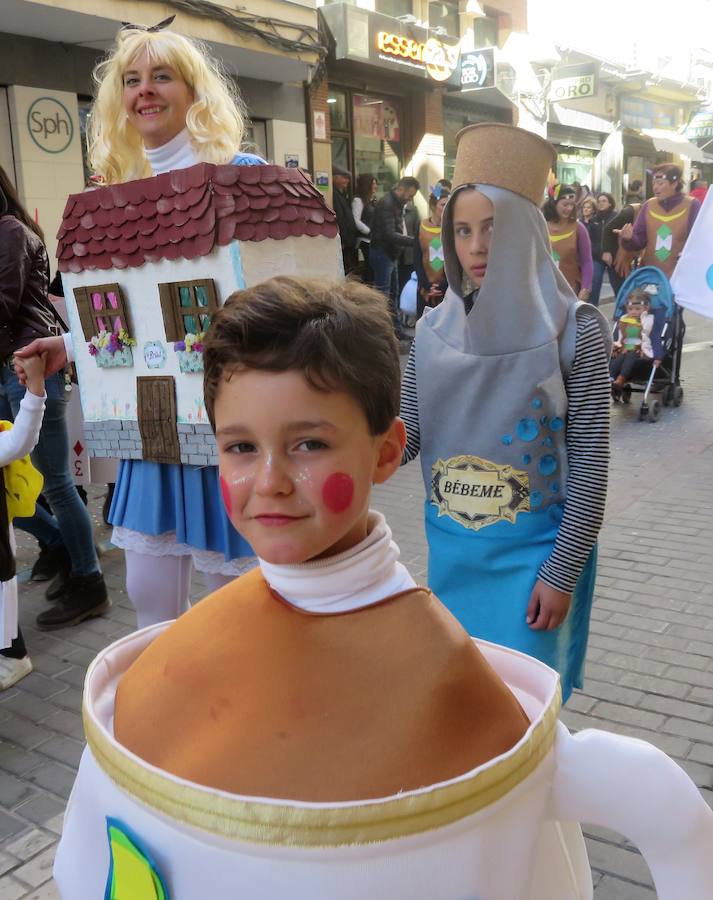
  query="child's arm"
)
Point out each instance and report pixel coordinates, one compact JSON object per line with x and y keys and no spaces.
{"x":409,"y":408}
{"x":589,"y":398}
{"x":21,"y":439}
{"x":586,"y":266}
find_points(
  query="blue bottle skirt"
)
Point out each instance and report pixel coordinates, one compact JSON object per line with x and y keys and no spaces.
{"x":485,"y":578}
{"x":176,"y":510}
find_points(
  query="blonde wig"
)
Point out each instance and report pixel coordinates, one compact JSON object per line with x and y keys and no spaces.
{"x":216,"y":120}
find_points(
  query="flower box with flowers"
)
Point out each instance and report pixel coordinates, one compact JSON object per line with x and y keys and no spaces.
{"x":190,"y":353}
{"x":112,"y":348}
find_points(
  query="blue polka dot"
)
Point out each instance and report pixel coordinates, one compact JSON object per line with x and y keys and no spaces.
{"x":506,"y":439}
{"x":527,"y":459}
{"x":544,"y":420}
{"x":554,"y":487}
{"x":548,"y":464}
{"x":557,"y":424}
{"x":527,"y":429}
{"x":537,"y":403}
{"x":709,"y":277}
{"x":535,"y":499}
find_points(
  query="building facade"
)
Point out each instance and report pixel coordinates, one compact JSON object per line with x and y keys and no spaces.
{"x":48,"y":49}
{"x":402,"y":78}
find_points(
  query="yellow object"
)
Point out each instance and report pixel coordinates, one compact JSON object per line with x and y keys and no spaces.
{"x":132,"y":876}
{"x":23,"y":484}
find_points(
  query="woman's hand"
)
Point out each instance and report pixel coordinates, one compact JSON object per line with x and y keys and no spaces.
{"x":547,"y":608}
{"x":607,"y":259}
{"x":50,"y":349}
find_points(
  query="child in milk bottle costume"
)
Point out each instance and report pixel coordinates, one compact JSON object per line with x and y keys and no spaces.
{"x":506,"y":397}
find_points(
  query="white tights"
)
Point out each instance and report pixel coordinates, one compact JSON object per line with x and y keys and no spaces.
{"x":159,"y":586}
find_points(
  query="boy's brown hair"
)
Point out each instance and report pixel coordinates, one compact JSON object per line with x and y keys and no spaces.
{"x":338,"y":334}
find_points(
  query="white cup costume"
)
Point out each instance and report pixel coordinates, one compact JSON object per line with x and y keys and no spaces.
{"x":501,"y":832}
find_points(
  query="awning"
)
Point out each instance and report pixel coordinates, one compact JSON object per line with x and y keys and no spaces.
{"x":576,"y":118}
{"x":673,"y":142}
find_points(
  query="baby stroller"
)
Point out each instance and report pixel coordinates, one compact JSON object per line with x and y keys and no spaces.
{"x":668,"y":322}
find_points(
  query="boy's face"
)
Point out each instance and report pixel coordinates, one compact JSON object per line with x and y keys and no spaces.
{"x":297,"y":464}
{"x":472,"y":229}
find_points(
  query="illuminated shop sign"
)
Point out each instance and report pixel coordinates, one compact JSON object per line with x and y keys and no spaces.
{"x":438,"y":59}
{"x":387,"y":43}
{"x":477,"y":69}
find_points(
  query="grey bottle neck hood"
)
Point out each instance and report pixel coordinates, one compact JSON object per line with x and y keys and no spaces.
{"x":524,"y":301}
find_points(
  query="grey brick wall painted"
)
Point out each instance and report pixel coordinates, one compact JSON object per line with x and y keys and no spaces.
{"x":122,"y":440}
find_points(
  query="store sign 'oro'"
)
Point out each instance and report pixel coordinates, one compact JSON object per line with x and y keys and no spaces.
{"x":439,"y":59}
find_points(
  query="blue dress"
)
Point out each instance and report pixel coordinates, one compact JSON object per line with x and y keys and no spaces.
{"x":155,"y":498}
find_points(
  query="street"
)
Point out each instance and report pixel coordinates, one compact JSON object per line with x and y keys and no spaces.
{"x":650,"y":658}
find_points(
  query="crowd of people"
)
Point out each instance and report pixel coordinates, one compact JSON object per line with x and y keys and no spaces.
{"x":318,"y":672}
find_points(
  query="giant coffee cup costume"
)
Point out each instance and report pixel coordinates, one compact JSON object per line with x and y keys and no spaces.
{"x":350,"y":635}
{"x":492,"y":416}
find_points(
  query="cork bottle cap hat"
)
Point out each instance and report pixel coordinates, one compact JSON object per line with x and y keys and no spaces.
{"x":504,"y":156}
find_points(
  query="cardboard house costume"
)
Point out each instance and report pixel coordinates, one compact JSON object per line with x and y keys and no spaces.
{"x":145,"y":263}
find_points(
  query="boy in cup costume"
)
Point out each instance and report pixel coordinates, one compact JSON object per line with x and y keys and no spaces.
{"x":506,"y":397}
{"x":322,"y":727}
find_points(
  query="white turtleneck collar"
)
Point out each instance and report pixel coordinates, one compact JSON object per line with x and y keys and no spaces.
{"x":359,"y":577}
{"x":178,"y":153}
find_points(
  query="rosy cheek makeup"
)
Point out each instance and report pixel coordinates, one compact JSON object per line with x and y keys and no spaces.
{"x":225,"y":491}
{"x":338,"y":492}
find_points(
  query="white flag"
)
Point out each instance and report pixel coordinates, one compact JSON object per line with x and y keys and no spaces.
{"x":692,"y":279}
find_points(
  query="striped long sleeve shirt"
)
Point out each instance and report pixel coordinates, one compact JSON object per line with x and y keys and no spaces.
{"x":587,"y":439}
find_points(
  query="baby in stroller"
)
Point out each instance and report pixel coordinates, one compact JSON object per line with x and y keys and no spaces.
{"x":637,"y":342}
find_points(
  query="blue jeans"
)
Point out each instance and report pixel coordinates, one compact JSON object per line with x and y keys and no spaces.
{"x":386,"y":280}
{"x":599,"y":268}
{"x":72,"y":525}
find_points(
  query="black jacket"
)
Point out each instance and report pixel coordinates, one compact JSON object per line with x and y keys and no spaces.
{"x":626,"y":216}
{"x":345,"y":220}
{"x":386,"y":228}
{"x":596,"y":227}
{"x":24,"y":277}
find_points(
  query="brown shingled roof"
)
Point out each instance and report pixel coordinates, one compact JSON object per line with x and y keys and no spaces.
{"x":185,"y":213}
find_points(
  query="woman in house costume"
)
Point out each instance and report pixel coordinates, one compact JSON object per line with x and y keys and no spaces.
{"x":506,"y":397}
{"x":374,"y":750}
{"x":161,"y":104}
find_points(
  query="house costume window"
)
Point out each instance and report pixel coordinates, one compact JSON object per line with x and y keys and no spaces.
{"x":101,"y":308}
{"x":187,"y":307}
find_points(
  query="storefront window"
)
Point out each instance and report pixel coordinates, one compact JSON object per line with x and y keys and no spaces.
{"x":445,"y":16}
{"x":256,"y":137}
{"x":485,"y":32}
{"x":377,"y":139}
{"x":457,"y":117}
{"x":338,"y":115}
{"x":84,"y":107}
{"x":575,"y":165}
{"x":394,"y":8}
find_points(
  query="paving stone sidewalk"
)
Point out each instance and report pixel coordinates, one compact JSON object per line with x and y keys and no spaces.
{"x":650,"y":659}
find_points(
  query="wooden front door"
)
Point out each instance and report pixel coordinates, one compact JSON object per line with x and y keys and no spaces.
{"x":156,"y":407}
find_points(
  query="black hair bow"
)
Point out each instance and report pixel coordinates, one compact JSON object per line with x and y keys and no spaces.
{"x":129,"y":26}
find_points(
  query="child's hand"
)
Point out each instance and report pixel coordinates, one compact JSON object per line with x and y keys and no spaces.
{"x":626,"y":233}
{"x":31,"y":372}
{"x":547,"y":608}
